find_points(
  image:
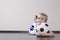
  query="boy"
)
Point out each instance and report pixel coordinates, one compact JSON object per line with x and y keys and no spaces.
{"x":39,"y":26}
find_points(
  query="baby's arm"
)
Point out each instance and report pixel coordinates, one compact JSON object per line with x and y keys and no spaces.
{"x":45,"y":34}
{"x":48,"y":33}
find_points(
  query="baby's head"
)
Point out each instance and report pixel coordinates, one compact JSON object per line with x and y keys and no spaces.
{"x":41,"y":18}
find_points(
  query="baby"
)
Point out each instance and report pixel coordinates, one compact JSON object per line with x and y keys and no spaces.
{"x":40,"y":26}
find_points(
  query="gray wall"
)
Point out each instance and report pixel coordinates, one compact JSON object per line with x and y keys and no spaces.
{"x":18,"y":15}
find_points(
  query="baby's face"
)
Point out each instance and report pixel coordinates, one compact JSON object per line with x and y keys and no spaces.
{"x":39,"y":19}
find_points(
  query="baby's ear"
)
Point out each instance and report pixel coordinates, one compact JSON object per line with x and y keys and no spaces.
{"x":46,"y":25}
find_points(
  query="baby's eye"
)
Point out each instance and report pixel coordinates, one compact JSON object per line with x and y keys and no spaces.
{"x":36,"y":17}
{"x":41,"y":18}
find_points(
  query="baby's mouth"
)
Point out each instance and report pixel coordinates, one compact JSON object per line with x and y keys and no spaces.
{"x":38,"y":23}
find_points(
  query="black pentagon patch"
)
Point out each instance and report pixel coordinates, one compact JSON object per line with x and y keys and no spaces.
{"x":41,"y":29}
{"x":46,"y":25}
{"x":48,"y":31}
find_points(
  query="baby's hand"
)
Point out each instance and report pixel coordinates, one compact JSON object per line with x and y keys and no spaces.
{"x":38,"y":33}
{"x":44,"y":34}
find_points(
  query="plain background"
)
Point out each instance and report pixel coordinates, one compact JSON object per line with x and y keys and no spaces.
{"x":17,"y":15}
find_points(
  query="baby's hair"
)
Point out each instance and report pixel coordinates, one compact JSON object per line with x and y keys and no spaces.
{"x":44,"y":15}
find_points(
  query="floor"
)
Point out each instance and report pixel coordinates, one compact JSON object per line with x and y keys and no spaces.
{"x":26,"y":36}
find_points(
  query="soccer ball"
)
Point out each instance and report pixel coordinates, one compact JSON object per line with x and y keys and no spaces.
{"x":43,"y":28}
